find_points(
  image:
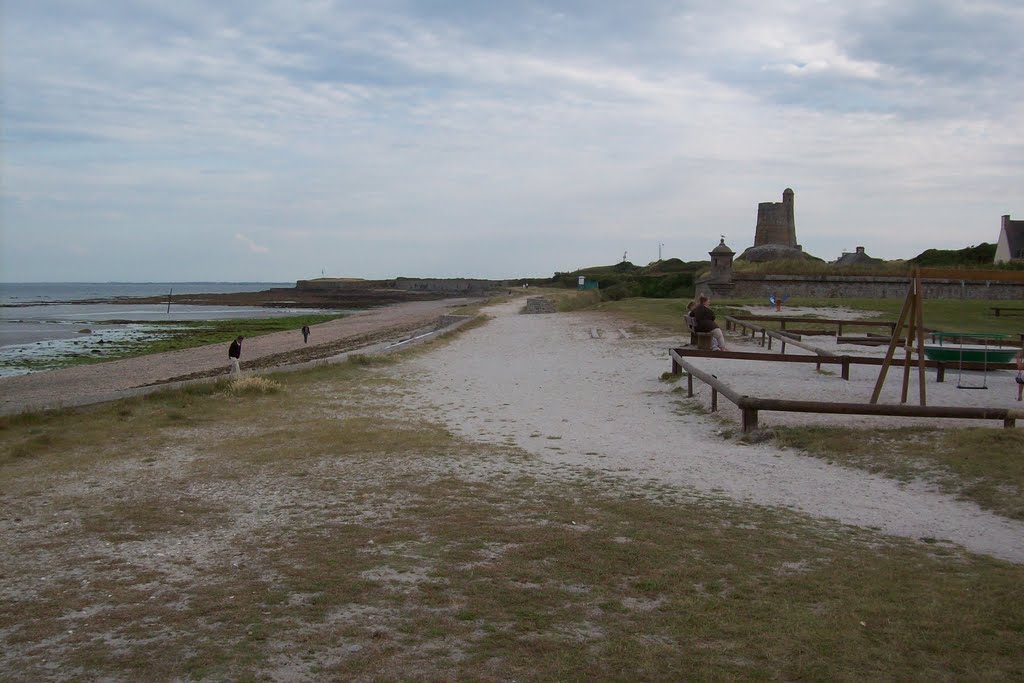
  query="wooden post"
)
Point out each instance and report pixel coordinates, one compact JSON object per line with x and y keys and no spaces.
{"x":893,"y":341}
{"x":920,"y":340}
{"x":940,"y":372}
{"x":714,"y":400}
{"x":689,"y":385}
{"x":909,"y":341}
{"x":749,"y":420}
{"x":846,"y":368}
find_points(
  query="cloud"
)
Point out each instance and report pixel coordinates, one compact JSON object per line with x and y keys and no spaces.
{"x":253,"y":247}
{"x":496,"y":128}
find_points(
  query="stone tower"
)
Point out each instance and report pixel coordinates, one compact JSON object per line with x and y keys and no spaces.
{"x":721,"y":262}
{"x":776,"y":222}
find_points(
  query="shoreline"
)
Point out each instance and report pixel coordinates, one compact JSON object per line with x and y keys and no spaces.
{"x":98,"y":382}
{"x":275,"y":297}
{"x":42,"y":334}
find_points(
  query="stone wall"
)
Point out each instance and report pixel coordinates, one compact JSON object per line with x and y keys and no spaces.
{"x":446,"y":286}
{"x":539,"y":304}
{"x":335,"y":285}
{"x":755,"y":286}
{"x":452,"y":286}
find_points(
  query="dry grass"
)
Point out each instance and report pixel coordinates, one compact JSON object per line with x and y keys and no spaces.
{"x":324,"y":532}
{"x":254,"y":384}
{"x":980,"y":464}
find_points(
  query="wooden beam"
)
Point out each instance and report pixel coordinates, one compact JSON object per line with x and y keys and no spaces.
{"x":686,"y":352}
{"x":920,"y":348}
{"x":896,"y":332}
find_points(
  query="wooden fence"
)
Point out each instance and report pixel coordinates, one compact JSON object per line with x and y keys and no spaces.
{"x":750,"y":406}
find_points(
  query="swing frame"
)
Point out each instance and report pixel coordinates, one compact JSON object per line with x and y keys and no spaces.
{"x":912,"y":317}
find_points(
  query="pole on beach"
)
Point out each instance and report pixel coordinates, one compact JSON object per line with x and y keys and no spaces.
{"x":169,"y":299}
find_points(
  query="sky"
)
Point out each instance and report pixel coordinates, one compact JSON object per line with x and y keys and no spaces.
{"x":276,"y":140}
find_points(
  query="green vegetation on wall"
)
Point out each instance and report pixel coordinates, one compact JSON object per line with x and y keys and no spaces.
{"x":980,"y":255}
{"x":671,"y":278}
{"x":674,"y":278}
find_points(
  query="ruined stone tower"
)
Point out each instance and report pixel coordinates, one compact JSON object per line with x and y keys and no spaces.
{"x":776,"y":223}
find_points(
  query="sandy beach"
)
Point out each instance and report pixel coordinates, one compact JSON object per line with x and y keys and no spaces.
{"x":583,"y":393}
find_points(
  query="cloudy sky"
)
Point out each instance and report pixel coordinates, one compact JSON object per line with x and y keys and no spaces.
{"x":273,"y":140}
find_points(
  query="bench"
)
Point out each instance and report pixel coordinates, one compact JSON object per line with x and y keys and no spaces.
{"x":997,"y":309}
{"x":702,"y":340}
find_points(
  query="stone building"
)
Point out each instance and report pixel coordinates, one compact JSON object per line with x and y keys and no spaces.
{"x":776,"y":222}
{"x":719,"y":281}
{"x":775,"y":232}
{"x":1010,"y":246}
{"x":857,"y":258}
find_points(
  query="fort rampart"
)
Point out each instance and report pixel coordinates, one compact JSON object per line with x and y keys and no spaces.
{"x":758,"y":286}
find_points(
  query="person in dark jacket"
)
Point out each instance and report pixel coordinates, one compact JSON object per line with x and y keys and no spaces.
{"x":1020,"y":374}
{"x":704,"y":318}
{"x":305,"y":334}
{"x":234,"y":354}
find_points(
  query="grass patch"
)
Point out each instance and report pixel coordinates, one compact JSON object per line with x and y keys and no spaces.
{"x":189,"y":334}
{"x":253,"y":384}
{"x":980,"y":464}
{"x":939,"y":314}
{"x":566,"y":301}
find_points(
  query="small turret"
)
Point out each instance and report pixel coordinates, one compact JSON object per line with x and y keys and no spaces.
{"x":721,"y":262}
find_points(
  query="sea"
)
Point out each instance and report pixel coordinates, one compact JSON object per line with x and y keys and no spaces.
{"x":41,"y":323}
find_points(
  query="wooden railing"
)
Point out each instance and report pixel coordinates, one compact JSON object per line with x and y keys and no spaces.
{"x":750,"y":406}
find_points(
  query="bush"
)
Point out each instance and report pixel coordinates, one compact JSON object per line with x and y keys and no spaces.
{"x":254,"y":384}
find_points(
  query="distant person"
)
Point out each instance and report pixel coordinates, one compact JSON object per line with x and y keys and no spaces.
{"x":1020,"y":374}
{"x":234,"y":354}
{"x":704,"y":318}
{"x":305,"y":334}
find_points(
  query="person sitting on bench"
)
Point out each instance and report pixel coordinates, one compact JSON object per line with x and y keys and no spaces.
{"x":705,"y":319}
{"x":689,"y":309}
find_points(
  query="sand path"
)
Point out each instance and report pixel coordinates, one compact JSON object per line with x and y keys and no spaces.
{"x":88,"y":384}
{"x":578,"y":391}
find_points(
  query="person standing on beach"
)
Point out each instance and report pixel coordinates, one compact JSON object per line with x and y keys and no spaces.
{"x":305,"y":334}
{"x":1020,"y":374}
{"x":234,"y":354}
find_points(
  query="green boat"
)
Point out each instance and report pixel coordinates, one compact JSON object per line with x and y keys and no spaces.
{"x":955,"y":352}
{"x":969,"y":354}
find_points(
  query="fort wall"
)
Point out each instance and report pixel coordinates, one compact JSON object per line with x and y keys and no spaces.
{"x":437,"y":285}
{"x":759,"y":286}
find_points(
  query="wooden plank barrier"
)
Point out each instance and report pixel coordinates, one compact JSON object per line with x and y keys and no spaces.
{"x":844,"y":361}
{"x":750,"y":406}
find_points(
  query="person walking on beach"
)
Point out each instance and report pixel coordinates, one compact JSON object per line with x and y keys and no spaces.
{"x":704,"y":318}
{"x":234,"y":354}
{"x":305,"y":334}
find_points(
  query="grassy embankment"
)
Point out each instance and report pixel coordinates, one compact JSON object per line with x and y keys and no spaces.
{"x":981,"y":464}
{"x":319,"y":526}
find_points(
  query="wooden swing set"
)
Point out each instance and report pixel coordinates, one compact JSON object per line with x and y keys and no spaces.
{"x":912,"y":318}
